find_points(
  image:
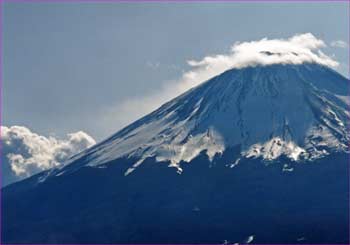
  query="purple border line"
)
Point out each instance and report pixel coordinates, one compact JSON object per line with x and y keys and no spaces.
{"x":173,"y":1}
{"x":139,"y":1}
{"x":348,"y":174}
{"x":1,"y":104}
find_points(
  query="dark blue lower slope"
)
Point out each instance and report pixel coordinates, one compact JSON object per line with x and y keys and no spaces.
{"x":207,"y":203}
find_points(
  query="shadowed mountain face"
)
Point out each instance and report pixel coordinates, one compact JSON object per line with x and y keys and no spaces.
{"x":253,"y":155}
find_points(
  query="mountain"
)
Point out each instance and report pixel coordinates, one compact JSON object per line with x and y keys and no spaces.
{"x":258,"y":154}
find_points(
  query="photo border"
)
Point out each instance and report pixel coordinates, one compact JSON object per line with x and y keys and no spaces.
{"x":2,"y":2}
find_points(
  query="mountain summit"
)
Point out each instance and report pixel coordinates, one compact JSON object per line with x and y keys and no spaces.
{"x":263,"y":121}
{"x":297,"y":111}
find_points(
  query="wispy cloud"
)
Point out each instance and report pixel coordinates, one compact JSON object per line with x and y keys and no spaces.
{"x":153,"y":65}
{"x":27,"y":153}
{"x":339,"y":44}
{"x":294,"y":50}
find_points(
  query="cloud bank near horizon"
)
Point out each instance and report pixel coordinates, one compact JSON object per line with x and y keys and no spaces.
{"x":297,"y":49}
{"x":25,"y":153}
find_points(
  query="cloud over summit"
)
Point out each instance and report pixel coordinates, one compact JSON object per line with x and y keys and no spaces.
{"x":25,"y":153}
{"x":297,"y":49}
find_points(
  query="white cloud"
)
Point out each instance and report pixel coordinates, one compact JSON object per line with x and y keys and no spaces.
{"x":26,"y":153}
{"x":294,"y":50}
{"x":339,"y":44}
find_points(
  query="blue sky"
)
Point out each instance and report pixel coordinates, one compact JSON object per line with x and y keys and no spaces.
{"x":66,"y":65}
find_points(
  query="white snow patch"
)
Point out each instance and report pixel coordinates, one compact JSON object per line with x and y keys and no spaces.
{"x":235,"y":163}
{"x":130,"y":170}
{"x":249,"y":239}
{"x":60,"y":173}
{"x":319,"y":137}
{"x":210,"y":142}
{"x":179,"y":170}
{"x":286,"y":168}
{"x":273,"y":149}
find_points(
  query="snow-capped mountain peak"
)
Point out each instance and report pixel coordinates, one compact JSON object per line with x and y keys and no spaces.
{"x":297,"y":111}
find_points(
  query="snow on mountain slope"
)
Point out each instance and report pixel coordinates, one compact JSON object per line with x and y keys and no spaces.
{"x":297,"y":111}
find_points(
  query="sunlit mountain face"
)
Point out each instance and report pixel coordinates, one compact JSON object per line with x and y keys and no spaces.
{"x":253,"y":155}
